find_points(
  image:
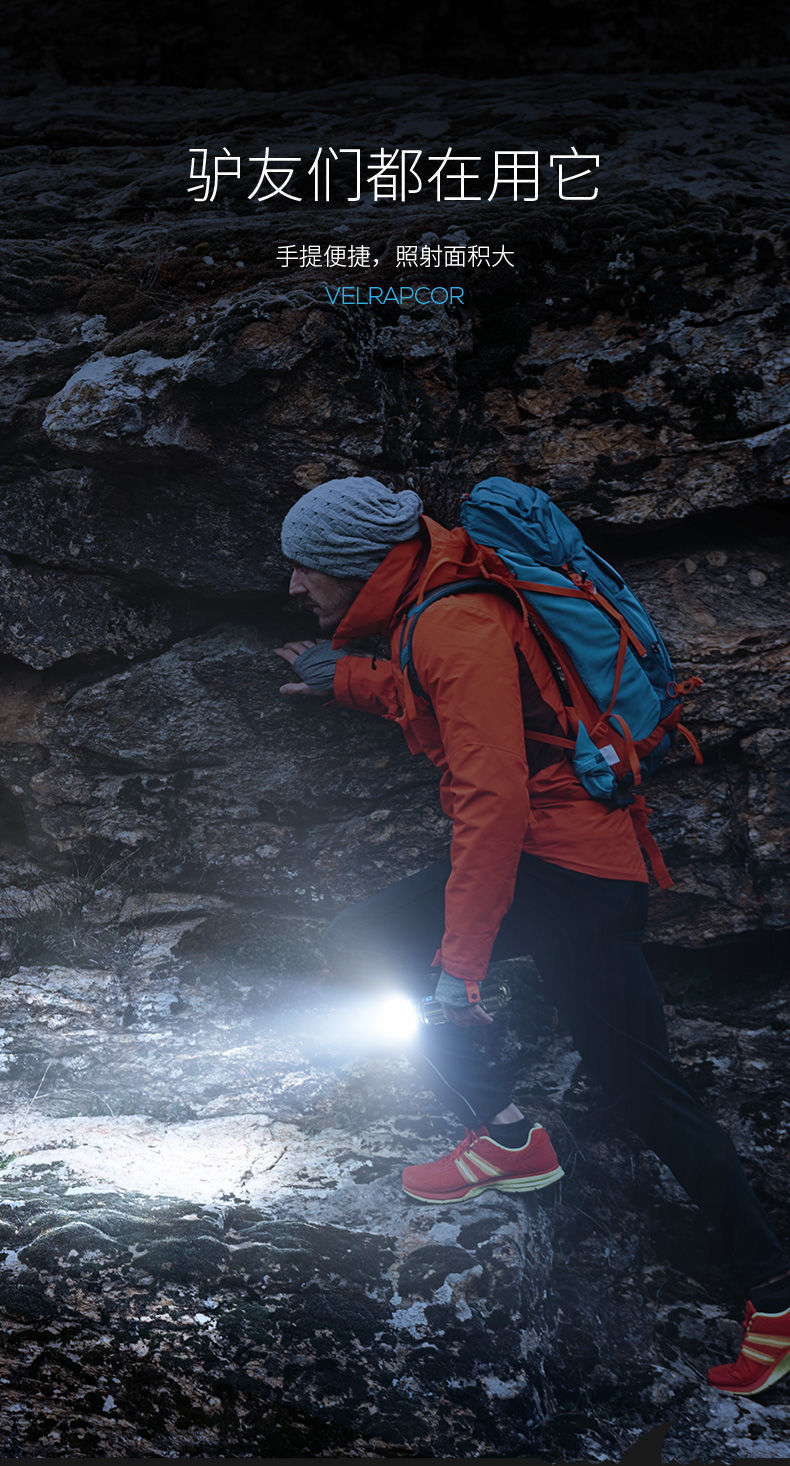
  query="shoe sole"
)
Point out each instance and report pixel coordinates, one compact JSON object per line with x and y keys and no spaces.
{"x":777,"y":1373}
{"x":514,"y":1183}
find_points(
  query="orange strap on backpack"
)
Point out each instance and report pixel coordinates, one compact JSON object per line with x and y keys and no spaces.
{"x":640,"y":815}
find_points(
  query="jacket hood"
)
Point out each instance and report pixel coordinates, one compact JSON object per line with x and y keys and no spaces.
{"x":435,"y":557}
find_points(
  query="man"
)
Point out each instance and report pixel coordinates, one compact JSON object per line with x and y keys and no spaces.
{"x":535,"y":865}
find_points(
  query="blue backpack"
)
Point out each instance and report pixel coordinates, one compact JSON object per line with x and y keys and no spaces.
{"x":622,"y":699}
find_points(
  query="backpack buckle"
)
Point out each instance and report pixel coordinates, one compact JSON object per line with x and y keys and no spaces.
{"x":624,"y":794}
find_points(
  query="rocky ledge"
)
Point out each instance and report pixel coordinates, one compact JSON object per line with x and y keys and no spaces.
{"x":205,"y":1249}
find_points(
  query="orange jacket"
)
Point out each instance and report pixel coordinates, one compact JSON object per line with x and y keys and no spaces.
{"x":486,"y":682}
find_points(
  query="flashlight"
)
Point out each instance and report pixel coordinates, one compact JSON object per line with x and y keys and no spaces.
{"x":430,"y":1011}
{"x":388,"y":1021}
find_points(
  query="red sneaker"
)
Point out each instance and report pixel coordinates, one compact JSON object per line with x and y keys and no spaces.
{"x":480,"y":1163}
{"x":764,"y":1356}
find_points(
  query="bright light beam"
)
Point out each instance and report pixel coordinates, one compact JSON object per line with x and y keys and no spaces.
{"x":386,"y":1021}
{"x":394,"y":1016}
{"x":389,"y":1021}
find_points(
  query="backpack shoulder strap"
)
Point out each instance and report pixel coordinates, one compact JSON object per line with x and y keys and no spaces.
{"x":457,"y":587}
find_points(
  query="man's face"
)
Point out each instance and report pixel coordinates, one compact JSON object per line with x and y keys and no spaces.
{"x":327,"y":595}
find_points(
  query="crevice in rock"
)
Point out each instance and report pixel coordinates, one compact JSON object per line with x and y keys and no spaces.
{"x":13,"y":826}
{"x":713,"y":529}
{"x":724,"y":976}
{"x":258,"y":611}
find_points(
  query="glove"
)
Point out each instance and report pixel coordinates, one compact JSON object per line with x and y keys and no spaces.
{"x":451,"y":992}
{"x":317,"y":665}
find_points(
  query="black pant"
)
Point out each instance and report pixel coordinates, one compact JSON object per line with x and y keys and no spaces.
{"x":585,"y":936}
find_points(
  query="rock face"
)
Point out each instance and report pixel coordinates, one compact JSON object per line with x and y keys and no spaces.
{"x":204,"y":1247}
{"x":169,"y":389}
{"x":204,"y":1244}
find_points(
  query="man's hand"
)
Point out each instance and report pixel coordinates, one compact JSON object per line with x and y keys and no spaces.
{"x":466,"y":1017}
{"x":289,"y":653}
{"x":451,"y":993}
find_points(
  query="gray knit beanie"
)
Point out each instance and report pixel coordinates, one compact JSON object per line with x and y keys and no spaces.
{"x":347,"y":526}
